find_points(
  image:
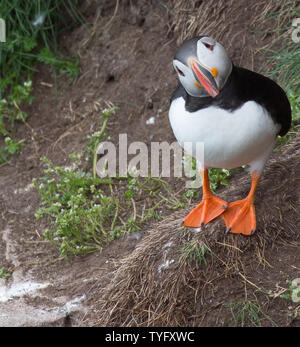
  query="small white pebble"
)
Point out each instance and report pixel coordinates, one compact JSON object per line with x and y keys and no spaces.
{"x":151,"y":120}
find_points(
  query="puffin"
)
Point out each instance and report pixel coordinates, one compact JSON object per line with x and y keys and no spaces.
{"x":236,"y":114}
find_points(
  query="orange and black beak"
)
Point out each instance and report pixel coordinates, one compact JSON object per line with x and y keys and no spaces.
{"x":204,"y":77}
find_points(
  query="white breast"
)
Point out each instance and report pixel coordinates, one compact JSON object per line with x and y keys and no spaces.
{"x":231,"y":139}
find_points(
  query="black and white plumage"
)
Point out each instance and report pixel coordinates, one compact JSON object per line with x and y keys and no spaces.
{"x":235,"y":112}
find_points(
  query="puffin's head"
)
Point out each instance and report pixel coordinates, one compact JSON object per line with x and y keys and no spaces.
{"x":203,"y":66}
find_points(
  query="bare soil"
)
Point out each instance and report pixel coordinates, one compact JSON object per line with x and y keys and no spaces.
{"x":126,"y":59}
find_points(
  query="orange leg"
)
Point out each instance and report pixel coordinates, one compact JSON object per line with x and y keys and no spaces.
{"x":240,"y":215}
{"x":209,"y":208}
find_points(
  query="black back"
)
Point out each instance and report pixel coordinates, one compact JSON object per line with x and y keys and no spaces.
{"x":244,"y":85}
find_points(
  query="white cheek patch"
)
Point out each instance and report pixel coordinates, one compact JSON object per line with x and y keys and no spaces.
{"x":188,"y":79}
{"x":205,"y":56}
{"x":178,"y":65}
{"x":216,"y":58}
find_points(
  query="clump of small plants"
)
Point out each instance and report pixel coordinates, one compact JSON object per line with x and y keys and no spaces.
{"x":293,"y":292}
{"x":85,"y":212}
{"x":4,"y":274}
{"x":197,"y":252}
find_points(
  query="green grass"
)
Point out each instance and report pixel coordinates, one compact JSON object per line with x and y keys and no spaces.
{"x":32,"y":29}
{"x":282,"y":59}
{"x":282,"y":54}
{"x":247,"y":313}
{"x":196,"y":252}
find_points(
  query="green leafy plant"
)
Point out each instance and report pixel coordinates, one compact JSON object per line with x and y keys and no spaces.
{"x":293,"y":292}
{"x":218,"y":177}
{"x":192,"y":195}
{"x":12,"y":146}
{"x":4,"y":274}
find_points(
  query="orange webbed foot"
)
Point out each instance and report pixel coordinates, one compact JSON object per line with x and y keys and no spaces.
{"x":240,"y":217}
{"x":210,"y":208}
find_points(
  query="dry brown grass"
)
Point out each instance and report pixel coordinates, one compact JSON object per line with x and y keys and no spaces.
{"x":191,"y":19}
{"x":245,"y":28}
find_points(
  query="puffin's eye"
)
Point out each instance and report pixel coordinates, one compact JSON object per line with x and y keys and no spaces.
{"x":208,"y":46}
{"x":179,"y":71}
